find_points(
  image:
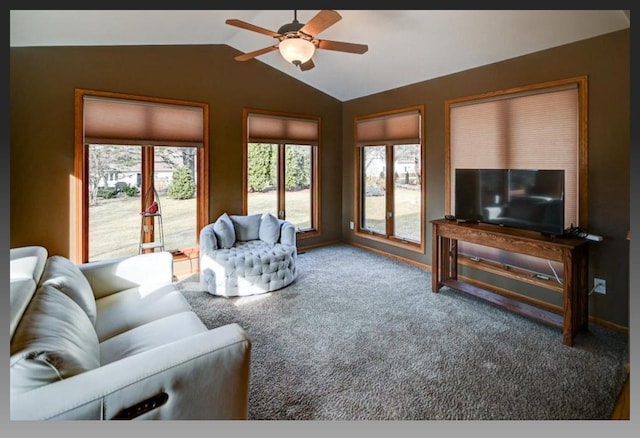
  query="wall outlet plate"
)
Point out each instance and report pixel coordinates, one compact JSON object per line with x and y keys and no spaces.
{"x":599,"y":286}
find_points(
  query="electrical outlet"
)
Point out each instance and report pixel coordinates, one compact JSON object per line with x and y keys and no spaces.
{"x":599,"y":286}
{"x":351,"y":225}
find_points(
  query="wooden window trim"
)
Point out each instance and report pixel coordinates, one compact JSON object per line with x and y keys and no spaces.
{"x":79,"y":195}
{"x":583,"y":165}
{"x":315,"y":229}
{"x":392,"y":240}
{"x":581,"y":82}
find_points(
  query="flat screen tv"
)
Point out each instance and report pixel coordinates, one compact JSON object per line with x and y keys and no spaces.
{"x":531,"y":199}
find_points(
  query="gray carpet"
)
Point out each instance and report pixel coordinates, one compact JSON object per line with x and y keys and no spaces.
{"x":359,"y":336}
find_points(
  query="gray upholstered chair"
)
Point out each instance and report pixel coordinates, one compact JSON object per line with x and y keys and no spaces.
{"x":247,"y":255}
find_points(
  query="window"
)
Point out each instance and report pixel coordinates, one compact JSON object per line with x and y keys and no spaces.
{"x":281,"y":168}
{"x":536,"y":127}
{"x":131,"y":151}
{"x":390,"y":183}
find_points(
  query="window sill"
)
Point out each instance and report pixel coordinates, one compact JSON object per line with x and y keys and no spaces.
{"x":393,"y":241}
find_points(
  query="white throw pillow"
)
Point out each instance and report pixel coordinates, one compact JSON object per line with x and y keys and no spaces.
{"x":269,"y":228}
{"x":225,"y":232}
{"x":247,"y":227}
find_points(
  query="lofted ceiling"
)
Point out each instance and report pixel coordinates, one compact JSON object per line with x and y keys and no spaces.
{"x":405,"y":46}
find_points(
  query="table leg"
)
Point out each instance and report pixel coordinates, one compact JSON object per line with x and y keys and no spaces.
{"x":569,"y":310}
{"x":435,"y":259}
{"x":453,"y":259}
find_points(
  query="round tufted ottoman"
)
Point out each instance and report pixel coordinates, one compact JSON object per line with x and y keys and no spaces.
{"x":250,"y":268}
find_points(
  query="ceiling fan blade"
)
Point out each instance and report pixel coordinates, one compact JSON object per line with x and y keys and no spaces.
{"x":307,"y":65}
{"x":343,"y":47}
{"x":244,"y":25}
{"x":320,"y":22}
{"x":251,"y":55}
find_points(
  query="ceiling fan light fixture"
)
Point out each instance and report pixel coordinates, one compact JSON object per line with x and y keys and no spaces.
{"x":296,"y":50}
{"x":297,"y":42}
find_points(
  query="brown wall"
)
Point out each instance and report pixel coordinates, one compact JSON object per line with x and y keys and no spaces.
{"x":43,"y":80}
{"x":606,"y":62}
{"x":42,"y":84}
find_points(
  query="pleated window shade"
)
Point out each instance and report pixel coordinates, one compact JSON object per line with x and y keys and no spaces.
{"x":398,"y":128}
{"x":266,"y":128}
{"x":134,"y":122}
{"x":530,"y":131}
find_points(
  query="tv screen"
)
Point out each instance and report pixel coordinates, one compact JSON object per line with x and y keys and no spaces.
{"x":531,"y":199}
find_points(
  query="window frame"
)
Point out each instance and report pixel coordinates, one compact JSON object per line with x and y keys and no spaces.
{"x":581,"y":83}
{"x":315,"y":229}
{"x":388,"y":237}
{"x":582,"y":153}
{"x":79,"y":186}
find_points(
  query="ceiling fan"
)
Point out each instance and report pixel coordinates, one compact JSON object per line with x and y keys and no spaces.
{"x":297,"y":42}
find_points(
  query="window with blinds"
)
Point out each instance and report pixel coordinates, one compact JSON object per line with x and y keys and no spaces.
{"x":135,"y":122}
{"x":541,"y":126}
{"x":526,"y":131}
{"x":132,"y":151}
{"x":281,"y":170}
{"x":398,"y":128}
{"x":390,"y":184}
{"x":271,"y":128}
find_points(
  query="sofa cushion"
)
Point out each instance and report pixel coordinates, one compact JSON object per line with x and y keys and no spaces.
{"x":151,"y":335}
{"x":269,"y":229}
{"x":54,"y":340}
{"x":225,"y":231}
{"x":64,"y":275}
{"x":134,"y":307}
{"x":247,"y":227}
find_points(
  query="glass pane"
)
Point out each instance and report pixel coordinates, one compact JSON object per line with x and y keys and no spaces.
{"x":374,"y":182}
{"x":298,"y":185}
{"x":407,"y":191}
{"x":262,"y":175}
{"x":175,"y":179}
{"x":114,"y":200}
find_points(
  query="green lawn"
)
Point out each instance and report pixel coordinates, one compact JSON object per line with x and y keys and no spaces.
{"x":407,"y":213}
{"x":298,"y":206}
{"x":114,"y":224}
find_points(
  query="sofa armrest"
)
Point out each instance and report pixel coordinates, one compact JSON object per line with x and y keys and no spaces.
{"x":287,"y":233}
{"x":205,"y":376}
{"x":113,"y":275}
{"x":208,"y":240}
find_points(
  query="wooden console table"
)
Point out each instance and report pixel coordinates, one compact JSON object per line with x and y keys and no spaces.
{"x":572,"y":252}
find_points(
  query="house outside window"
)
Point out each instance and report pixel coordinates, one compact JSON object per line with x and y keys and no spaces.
{"x":390,"y":184}
{"x":130,"y":152}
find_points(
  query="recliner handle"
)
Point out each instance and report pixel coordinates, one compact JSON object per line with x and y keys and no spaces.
{"x":143,"y":407}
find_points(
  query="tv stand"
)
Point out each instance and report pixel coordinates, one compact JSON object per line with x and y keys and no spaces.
{"x":572,"y":252}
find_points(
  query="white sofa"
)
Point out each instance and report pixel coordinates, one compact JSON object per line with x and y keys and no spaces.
{"x":116,"y":340}
{"x":247,"y":254}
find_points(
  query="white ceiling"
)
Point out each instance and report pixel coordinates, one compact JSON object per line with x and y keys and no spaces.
{"x":405,"y":47}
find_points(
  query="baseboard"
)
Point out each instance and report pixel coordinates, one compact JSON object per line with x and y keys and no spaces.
{"x":609,"y":325}
{"x":391,"y":256}
{"x":302,"y":248}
